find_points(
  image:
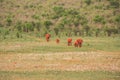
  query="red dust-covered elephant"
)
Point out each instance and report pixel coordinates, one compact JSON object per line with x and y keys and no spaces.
{"x":78,"y":43}
{"x":57,"y":41}
{"x":69,"y":40}
{"x":47,"y":37}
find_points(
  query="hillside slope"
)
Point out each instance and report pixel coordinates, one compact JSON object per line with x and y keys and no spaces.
{"x":83,"y":17}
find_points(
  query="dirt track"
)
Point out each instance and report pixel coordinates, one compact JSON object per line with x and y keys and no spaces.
{"x":69,"y":61}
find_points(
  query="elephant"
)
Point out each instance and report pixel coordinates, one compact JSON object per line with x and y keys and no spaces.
{"x":57,"y":41}
{"x":47,"y":37}
{"x":78,"y":43}
{"x":69,"y":40}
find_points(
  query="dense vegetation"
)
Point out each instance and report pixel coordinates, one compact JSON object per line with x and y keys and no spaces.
{"x":60,"y":17}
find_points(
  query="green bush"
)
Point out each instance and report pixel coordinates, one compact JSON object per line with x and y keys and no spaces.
{"x":19,"y":26}
{"x":37,"y":25}
{"x":60,"y":26}
{"x":47,"y":24}
{"x":55,"y":16}
{"x":99,"y":19}
{"x":117,"y":18}
{"x":56,"y":30}
{"x":28,"y":26}
{"x":84,"y":21}
{"x":98,"y":0}
{"x":97,"y":32}
{"x":111,"y":30}
{"x":6,"y":32}
{"x":66,"y":21}
{"x":88,"y":2}
{"x":58,"y":9}
{"x":36,"y":17}
{"x":72,"y":12}
{"x":1,"y":25}
{"x":114,"y":3}
{"x":17,"y":35}
{"x":9,"y":21}
{"x":86,"y":29}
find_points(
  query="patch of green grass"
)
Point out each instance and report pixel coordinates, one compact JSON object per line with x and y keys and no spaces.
{"x":60,"y":75}
{"x":39,"y":45}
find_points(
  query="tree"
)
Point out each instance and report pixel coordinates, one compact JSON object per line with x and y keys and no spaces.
{"x":87,"y":29}
{"x":111,"y":30}
{"x":97,"y":31}
{"x":56,"y":31}
{"x":38,"y":26}
{"x":28,"y":26}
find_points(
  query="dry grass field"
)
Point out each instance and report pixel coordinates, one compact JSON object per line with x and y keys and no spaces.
{"x":38,"y":60}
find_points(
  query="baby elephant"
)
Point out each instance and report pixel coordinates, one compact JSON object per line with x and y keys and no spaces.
{"x":57,"y":41}
{"x":69,"y":40}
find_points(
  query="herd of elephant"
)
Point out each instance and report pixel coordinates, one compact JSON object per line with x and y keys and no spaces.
{"x":77,"y":43}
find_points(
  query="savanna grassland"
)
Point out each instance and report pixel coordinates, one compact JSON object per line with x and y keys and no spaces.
{"x":25,"y":54}
{"x":36,"y":59}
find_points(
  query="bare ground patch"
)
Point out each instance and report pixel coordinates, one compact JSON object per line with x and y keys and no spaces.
{"x":66,"y":61}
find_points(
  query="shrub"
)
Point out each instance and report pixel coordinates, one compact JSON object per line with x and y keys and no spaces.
{"x":9,"y":21}
{"x":17,"y":35}
{"x":38,"y":26}
{"x":55,"y":16}
{"x":72,"y":12}
{"x":99,"y":19}
{"x":6,"y":32}
{"x":76,"y":23}
{"x":88,"y":2}
{"x":84,"y":21}
{"x":97,"y":31}
{"x":87,"y":29}
{"x":1,"y":25}
{"x":60,"y":26}
{"x":111,"y":30}
{"x":19,"y":26}
{"x":28,"y":26}
{"x":58,"y":9}
{"x":47,"y":24}
{"x":36,"y":16}
{"x":114,"y":3}
{"x":117,"y":18}
{"x":98,"y":0}
{"x":66,"y":21}
{"x":56,"y":31}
